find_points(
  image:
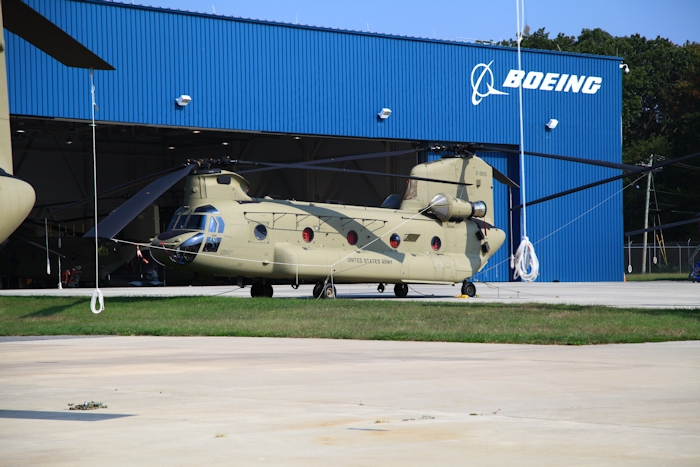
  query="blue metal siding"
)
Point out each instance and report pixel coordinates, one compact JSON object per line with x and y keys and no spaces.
{"x":257,"y":76}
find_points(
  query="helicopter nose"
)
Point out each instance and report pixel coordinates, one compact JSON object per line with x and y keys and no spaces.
{"x":173,"y":247}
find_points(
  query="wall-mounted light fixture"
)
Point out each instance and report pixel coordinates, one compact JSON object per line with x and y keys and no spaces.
{"x":384,"y":113}
{"x":552,"y":123}
{"x":183,"y":100}
{"x":625,"y":67}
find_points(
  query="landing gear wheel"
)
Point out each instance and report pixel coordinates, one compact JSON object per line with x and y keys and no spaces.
{"x":380,"y":288}
{"x":318,"y":290}
{"x":267,"y":290}
{"x":295,"y":286}
{"x":261,"y":290}
{"x":468,"y":289}
{"x":328,"y":291}
{"x":401,"y":290}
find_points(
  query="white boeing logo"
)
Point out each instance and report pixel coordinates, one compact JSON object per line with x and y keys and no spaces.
{"x":532,"y":80}
{"x":477,"y":95}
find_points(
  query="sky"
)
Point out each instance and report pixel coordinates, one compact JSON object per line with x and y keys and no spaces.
{"x":676,"y":20}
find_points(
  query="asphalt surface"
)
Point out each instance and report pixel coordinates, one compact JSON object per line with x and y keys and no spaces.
{"x":657,"y":294}
{"x":256,"y":401}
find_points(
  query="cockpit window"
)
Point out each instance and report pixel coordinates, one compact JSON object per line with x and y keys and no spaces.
{"x":178,"y":218}
{"x":207,"y":208}
{"x":196,"y":222}
{"x":173,"y":222}
{"x":216,"y":224}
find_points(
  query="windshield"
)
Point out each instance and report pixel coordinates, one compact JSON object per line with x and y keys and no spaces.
{"x":192,"y":221}
{"x":196,"y":221}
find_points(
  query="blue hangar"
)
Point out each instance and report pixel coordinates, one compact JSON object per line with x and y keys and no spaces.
{"x":285,"y":93}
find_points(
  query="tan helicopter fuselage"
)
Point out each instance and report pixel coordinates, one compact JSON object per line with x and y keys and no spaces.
{"x":222,"y":231}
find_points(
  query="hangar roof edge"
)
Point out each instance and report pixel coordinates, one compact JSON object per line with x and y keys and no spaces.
{"x":329,"y":29}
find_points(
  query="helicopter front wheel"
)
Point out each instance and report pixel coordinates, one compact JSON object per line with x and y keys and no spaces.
{"x":468,"y":289}
{"x":318,"y":290}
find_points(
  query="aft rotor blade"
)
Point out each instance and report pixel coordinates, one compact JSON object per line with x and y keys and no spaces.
{"x":31,"y":26}
{"x":659,"y":227}
{"x":311,"y":164}
{"x":639,"y":170}
{"x":120,"y":217}
{"x":596,"y":162}
{"x":353,"y":171}
{"x":501,"y":177}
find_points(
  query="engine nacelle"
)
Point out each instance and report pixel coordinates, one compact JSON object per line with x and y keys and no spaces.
{"x":446,"y":208}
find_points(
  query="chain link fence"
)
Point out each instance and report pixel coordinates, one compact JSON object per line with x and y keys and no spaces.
{"x":673,"y":258}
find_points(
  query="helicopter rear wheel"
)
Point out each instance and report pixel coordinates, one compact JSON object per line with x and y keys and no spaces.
{"x":380,"y":288}
{"x":468,"y":289}
{"x":329,"y":291}
{"x":401,"y":290}
{"x":256,"y":290}
{"x":318,"y":290}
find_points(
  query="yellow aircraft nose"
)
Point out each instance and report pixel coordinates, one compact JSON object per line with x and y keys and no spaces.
{"x":176,"y":247}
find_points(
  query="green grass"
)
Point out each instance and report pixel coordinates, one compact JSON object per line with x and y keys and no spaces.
{"x":347,"y":319}
{"x":657,"y":276}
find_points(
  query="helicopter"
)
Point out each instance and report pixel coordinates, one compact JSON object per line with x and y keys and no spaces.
{"x":440,"y":232}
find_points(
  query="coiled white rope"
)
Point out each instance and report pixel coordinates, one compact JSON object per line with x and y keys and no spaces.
{"x":97,"y":304}
{"x":526,"y":266}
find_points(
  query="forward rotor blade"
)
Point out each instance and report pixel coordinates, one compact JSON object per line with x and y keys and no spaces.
{"x":659,"y":227}
{"x":31,"y":26}
{"x":639,"y":170}
{"x":309,"y":164}
{"x":364,"y":172}
{"x":111,"y":190}
{"x":596,"y":162}
{"x":120,"y":217}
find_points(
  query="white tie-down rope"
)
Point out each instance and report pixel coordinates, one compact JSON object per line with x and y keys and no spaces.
{"x":527,"y":267}
{"x":48,"y":260}
{"x":97,"y":304}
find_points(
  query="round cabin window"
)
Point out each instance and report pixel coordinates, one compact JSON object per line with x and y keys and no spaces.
{"x":436,"y":243}
{"x":307,"y":235}
{"x":260,"y":232}
{"x":352,"y":237}
{"x":394,"y":240}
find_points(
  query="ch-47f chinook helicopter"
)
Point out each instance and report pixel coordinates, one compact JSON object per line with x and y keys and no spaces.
{"x":441,"y":232}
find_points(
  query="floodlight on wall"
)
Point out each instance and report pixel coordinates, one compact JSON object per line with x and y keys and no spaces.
{"x":384,"y":113}
{"x":552,"y":123}
{"x":625,"y":67}
{"x":183,"y":100}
